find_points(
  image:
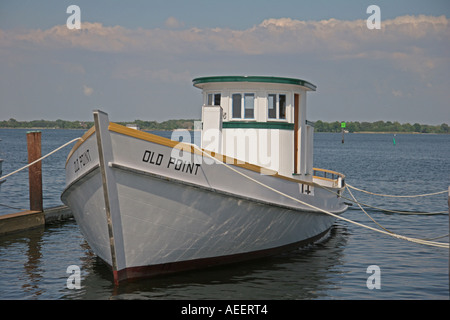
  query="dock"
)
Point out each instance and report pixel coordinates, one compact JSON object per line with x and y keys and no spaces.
{"x":28,"y":219}
{"x":36,"y":216}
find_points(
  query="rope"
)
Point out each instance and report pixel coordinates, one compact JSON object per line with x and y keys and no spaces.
{"x":366,"y":212}
{"x":438,"y":237}
{"x":381,"y":209}
{"x":40,"y":159}
{"x":425,"y":242}
{"x":10,"y":207}
{"x":381,"y":225}
{"x":393,"y":196}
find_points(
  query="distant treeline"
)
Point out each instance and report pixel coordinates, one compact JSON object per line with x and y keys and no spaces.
{"x":64,"y":124}
{"x":380,"y":126}
{"x":320,"y":126}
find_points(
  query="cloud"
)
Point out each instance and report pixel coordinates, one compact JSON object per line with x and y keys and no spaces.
{"x":87,"y":90}
{"x":397,"y":93}
{"x":417,"y":45}
{"x":403,"y":66}
{"x":332,"y":39}
{"x":91,"y":36}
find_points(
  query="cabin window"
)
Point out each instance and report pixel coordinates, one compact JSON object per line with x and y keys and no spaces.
{"x":214,"y":99}
{"x":282,"y":106}
{"x":236,"y":105}
{"x":276,"y":107}
{"x":243,"y":105}
{"x":272,"y":104}
{"x":249,"y":105}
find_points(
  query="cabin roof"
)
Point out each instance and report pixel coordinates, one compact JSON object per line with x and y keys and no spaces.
{"x":197,"y":82}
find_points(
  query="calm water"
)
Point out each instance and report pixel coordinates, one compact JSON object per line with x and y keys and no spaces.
{"x":33,"y":264}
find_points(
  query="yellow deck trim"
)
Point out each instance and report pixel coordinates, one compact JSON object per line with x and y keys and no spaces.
{"x":83,"y":138}
{"x":114,"y":127}
{"x":325,"y":179}
{"x":330,"y":171}
{"x":138,"y":134}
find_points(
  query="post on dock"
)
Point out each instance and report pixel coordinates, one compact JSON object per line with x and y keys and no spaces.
{"x":35,"y":171}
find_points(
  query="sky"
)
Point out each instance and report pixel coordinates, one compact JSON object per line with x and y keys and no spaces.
{"x":136,"y":59}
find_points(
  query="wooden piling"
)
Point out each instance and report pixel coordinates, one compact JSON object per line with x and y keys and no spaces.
{"x":35,"y":217}
{"x":35,"y":171}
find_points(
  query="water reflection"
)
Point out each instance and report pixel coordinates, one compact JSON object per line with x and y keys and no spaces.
{"x":306,"y":273}
{"x":32,"y":264}
{"x":21,"y":260}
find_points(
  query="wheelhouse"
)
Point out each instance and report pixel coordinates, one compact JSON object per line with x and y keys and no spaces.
{"x":259,"y":120}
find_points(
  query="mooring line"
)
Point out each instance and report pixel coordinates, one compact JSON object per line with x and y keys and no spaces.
{"x":395,"y":196}
{"x":362,"y":209}
{"x":378,"y":208}
{"x":40,"y":159}
{"x":398,"y":236}
{"x":366,"y":212}
{"x":10,"y":207}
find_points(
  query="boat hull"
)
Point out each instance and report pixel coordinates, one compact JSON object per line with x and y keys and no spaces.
{"x":161,"y":220}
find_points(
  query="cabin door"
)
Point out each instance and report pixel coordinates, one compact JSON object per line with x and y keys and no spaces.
{"x":296,"y":132}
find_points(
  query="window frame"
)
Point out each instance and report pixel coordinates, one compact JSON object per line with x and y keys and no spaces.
{"x":277,"y":95}
{"x":285,"y":106}
{"x":213,"y":98}
{"x":274,"y":104}
{"x":238,"y":109}
{"x":243,"y":107}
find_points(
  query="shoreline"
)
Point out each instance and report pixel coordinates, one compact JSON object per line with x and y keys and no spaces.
{"x":356,"y":132}
{"x":393,"y":132}
{"x":40,"y":128}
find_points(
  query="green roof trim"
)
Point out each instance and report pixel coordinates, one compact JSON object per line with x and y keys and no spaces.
{"x":262,"y":79}
{"x":257,"y":125}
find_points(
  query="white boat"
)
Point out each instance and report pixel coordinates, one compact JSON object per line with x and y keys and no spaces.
{"x":148,"y":205}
